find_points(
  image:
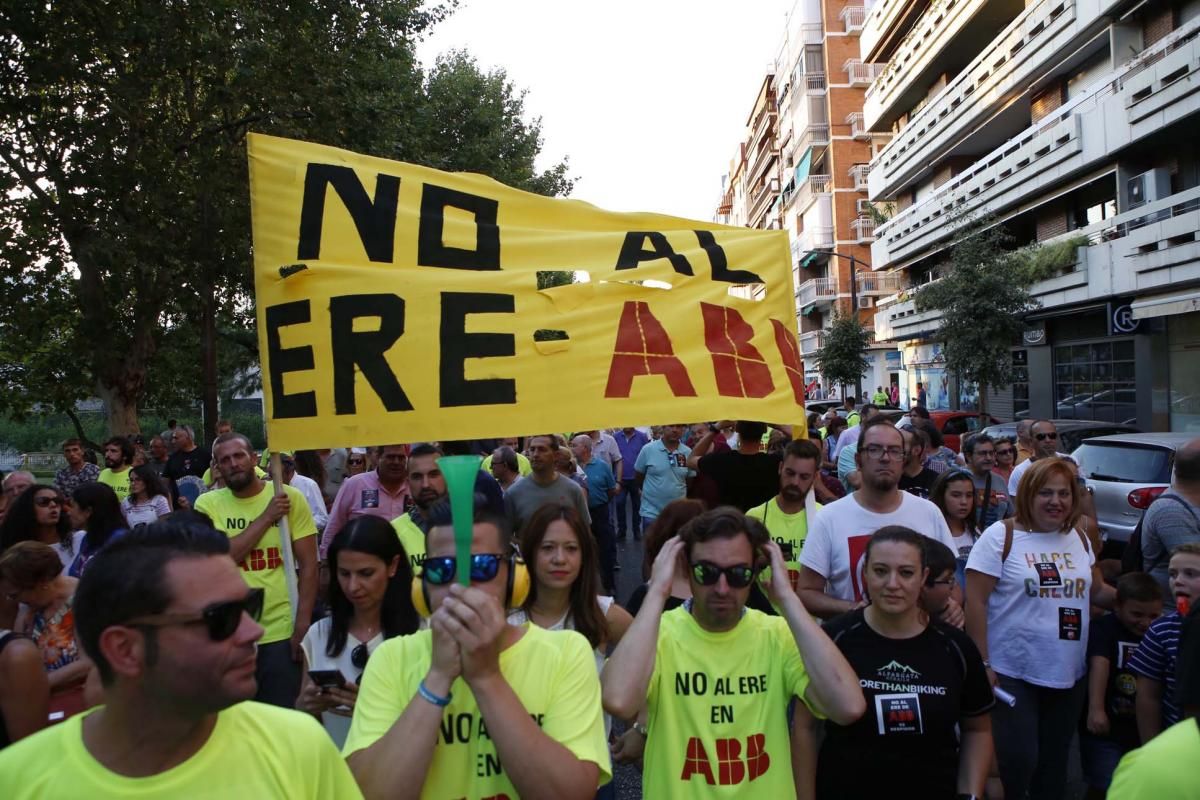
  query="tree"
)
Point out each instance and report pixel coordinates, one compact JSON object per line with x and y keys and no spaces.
{"x":983,"y":295}
{"x":124,"y":221}
{"x":842,"y":358}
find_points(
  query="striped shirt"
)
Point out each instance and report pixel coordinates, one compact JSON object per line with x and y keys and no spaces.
{"x":1155,"y":659}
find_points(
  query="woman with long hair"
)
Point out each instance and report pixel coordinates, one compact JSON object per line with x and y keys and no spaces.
{"x":310,"y":465}
{"x":147,"y":502}
{"x":38,"y":514}
{"x":96,"y":511}
{"x":369,"y":601}
{"x":946,"y":691}
{"x":1031,"y":582}
{"x":674,"y":516}
{"x":954,"y":494}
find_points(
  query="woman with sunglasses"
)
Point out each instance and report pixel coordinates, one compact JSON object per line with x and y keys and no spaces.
{"x":356,"y":462}
{"x":926,"y":688}
{"x":38,"y":514}
{"x":1006,"y":457}
{"x":954,"y":494}
{"x":96,"y":511}
{"x":369,"y":601}
{"x":147,"y":501}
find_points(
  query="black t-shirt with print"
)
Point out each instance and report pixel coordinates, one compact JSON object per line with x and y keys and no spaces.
{"x":917,"y":690}
{"x":919,"y":484}
{"x":193,"y":462}
{"x":1109,"y":639}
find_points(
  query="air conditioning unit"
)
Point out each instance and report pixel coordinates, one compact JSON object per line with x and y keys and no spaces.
{"x":1148,"y":187}
{"x":862,"y":206}
{"x":866,"y":302}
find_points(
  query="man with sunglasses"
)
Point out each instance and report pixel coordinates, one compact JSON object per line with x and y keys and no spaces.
{"x":473,"y":706}
{"x":1044,"y":437}
{"x":716,"y":677}
{"x":248,"y":511}
{"x":168,"y":621}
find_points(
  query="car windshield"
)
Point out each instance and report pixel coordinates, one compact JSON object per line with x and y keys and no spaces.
{"x":1124,"y":462}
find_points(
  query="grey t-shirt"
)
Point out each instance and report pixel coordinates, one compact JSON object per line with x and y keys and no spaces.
{"x":1167,"y":524}
{"x":998,"y":506}
{"x":525,"y":497}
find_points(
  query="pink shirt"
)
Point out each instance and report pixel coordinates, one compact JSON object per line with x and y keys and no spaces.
{"x":359,"y":495}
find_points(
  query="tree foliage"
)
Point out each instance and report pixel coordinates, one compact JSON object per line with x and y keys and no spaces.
{"x":124,"y":210}
{"x":842,"y":359}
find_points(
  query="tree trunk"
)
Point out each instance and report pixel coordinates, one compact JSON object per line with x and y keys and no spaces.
{"x":208,"y":351}
{"x":122,"y":410}
{"x":983,"y":405}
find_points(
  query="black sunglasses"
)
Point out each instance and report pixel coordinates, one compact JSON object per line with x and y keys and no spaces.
{"x":1043,"y":436}
{"x":222,"y":619}
{"x":440,"y":570}
{"x":43,"y":501}
{"x":358,"y":659}
{"x":707,"y":574}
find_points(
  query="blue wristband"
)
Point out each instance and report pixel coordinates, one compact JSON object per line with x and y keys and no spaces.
{"x":440,"y":702}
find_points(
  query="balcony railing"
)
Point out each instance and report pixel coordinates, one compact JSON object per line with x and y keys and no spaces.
{"x":864,"y":229}
{"x":858,"y":174}
{"x":816,"y":290}
{"x":815,"y":237}
{"x":858,"y":129}
{"x":811,"y":343}
{"x":768,"y":189}
{"x":814,"y":82}
{"x":813,"y":135}
{"x":853,"y":17}
{"x":809,"y":189}
{"x":761,"y":159}
{"x":861,"y":74}
{"x":879,"y":284}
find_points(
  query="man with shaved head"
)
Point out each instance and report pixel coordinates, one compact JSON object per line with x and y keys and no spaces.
{"x":1174,"y":516}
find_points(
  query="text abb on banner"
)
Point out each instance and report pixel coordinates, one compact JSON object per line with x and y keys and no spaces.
{"x":398,"y":303}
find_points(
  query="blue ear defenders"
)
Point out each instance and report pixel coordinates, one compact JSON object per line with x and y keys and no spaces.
{"x":516,"y":588}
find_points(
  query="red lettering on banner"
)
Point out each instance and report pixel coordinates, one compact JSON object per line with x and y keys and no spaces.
{"x":644,"y":348}
{"x":729,"y":762}
{"x":696,"y":762}
{"x":789,"y":353}
{"x":741,"y":370}
{"x":757,"y":760}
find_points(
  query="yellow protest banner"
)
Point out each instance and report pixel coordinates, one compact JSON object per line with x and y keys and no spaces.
{"x":398,"y":303}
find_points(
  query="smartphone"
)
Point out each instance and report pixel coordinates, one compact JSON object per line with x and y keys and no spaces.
{"x":327,"y":678}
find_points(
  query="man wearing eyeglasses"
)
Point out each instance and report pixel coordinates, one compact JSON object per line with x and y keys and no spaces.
{"x":834,"y":555}
{"x":1044,"y":437}
{"x":248,"y":511}
{"x":166,"y":617}
{"x":473,"y":706}
{"x":992,"y":501}
{"x":717,"y":677}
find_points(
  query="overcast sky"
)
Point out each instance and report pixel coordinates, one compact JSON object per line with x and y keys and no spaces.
{"x":647,"y":99}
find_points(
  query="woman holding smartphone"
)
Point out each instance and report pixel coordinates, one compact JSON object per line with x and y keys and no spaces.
{"x":369,"y":602}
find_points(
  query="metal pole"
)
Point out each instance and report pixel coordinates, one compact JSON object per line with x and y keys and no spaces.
{"x":854,"y":312}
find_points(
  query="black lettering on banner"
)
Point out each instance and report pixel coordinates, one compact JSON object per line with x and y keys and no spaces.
{"x":633,"y":252}
{"x":375,"y":219}
{"x":720,"y":264}
{"x":282,"y":360}
{"x":365,"y":349}
{"x":432,"y":252}
{"x":457,"y":346}
{"x":720,"y":714}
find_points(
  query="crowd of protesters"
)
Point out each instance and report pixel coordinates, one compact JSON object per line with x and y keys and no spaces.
{"x":857,"y":613}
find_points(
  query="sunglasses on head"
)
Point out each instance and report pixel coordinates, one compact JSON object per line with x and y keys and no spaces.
{"x":707,"y":574}
{"x":1041,"y":437}
{"x":221,"y":619}
{"x":440,"y":570}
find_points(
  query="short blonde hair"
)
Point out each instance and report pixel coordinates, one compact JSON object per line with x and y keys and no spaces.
{"x":1035,"y":480}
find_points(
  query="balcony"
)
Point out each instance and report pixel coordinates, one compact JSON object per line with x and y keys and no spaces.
{"x":860,"y":74}
{"x":858,"y":176}
{"x":857,"y":129}
{"x":853,"y":18}
{"x":884,"y":19}
{"x":879,"y":284}
{"x":762,"y":158}
{"x":816,"y":291}
{"x":760,"y":197}
{"x":864,"y":229}
{"x":811,"y":343}
{"x":764,"y":125}
{"x":810,"y":189}
{"x":817,"y":237}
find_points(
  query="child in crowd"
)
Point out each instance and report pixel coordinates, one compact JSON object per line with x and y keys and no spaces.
{"x":1109,"y":727}
{"x":1154,"y":661}
{"x":941,"y":583}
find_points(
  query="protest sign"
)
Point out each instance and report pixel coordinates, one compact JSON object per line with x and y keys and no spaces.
{"x":398,"y":303}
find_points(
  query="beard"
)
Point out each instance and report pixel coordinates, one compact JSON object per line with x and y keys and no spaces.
{"x":427,"y":498}
{"x":880,"y":483}
{"x":239,"y":480}
{"x":792,"y":494}
{"x":112,"y":463}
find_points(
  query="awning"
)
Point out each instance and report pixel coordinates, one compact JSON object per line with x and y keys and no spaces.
{"x":808,"y":309}
{"x":803,"y":168}
{"x":1161,"y":305}
{"x":808,"y":259}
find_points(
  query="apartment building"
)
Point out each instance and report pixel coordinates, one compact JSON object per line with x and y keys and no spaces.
{"x":1070,"y":121}
{"x":803,"y":168}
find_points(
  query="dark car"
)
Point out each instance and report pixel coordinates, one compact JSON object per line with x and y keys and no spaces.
{"x":1070,"y":431}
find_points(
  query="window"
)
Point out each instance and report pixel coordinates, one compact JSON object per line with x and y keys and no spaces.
{"x":1125,"y":462}
{"x":1095,"y":381}
{"x":1020,"y":384}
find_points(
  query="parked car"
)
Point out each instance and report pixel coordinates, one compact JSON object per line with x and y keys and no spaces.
{"x":821,"y":406}
{"x":1071,"y":432}
{"x":954,"y":425}
{"x":1125,"y":472}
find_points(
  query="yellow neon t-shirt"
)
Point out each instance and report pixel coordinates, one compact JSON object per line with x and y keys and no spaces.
{"x":718,"y":708}
{"x":784,"y":529}
{"x":263,"y":566}
{"x":255,"y":751}
{"x":412,"y":539}
{"x":552,"y":672}
{"x":523,"y":466}
{"x":208,"y":476}
{"x":1158,"y":769}
{"x":118,"y":480}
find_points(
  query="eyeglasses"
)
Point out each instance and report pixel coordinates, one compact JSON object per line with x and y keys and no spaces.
{"x":355,"y":461}
{"x":440,"y":570}
{"x":1043,"y":436}
{"x":1005,"y":452}
{"x":222,"y":619}
{"x":707,"y":574}
{"x":984,"y":453}
{"x":43,"y":502}
{"x":877,"y":450}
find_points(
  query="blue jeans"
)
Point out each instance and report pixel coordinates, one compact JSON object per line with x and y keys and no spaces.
{"x":1099,"y":755}
{"x":1033,"y":738}
{"x":630,"y":497}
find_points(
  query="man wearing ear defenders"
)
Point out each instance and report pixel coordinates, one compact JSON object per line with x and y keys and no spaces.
{"x":473,"y":706}
{"x":717,"y":677}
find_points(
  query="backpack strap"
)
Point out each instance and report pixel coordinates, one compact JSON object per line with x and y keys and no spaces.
{"x":1008,"y":539}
